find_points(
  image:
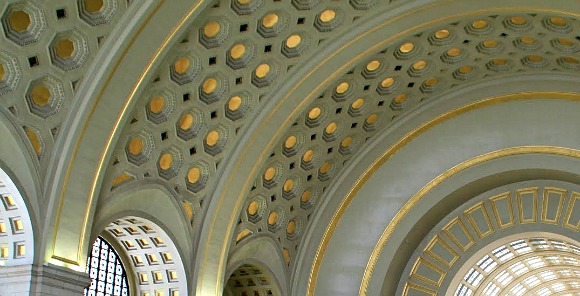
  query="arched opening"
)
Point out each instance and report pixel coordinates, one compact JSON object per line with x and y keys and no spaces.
{"x":518,"y":239}
{"x":142,"y":260}
{"x":536,"y":266}
{"x":16,"y":236}
{"x":251,"y":280}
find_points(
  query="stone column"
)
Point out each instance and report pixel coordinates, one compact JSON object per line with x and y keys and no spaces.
{"x":41,"y":280}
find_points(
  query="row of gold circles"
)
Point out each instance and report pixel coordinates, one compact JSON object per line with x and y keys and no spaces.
{"x":292,"y":140}
{"x":214,"y":26}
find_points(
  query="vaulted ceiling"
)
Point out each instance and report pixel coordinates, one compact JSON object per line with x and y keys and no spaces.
{"x":232,"y":125}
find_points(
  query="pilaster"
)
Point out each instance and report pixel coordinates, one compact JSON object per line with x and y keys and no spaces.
{"x":44,"y":280}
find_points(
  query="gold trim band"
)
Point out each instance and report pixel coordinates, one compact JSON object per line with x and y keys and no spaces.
{"x":551,"y":150}
{"x":346,"y":201}
{"x":394,"y":149}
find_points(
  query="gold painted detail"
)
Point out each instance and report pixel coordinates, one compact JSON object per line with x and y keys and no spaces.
{"x":490,"y":43}
{"x":64,"y":48}
{"x":234,"y":103}
{"x":346,"y":142}
{"x":406,"y":47}
{"x":211,"y":29}
{"x":290,"y":142}
{"x":453,"y":52}
{"x":518,"y":20}
{"x":439,"y":255}
{"x":373,"y":65}
{"x":342,"y":87}
{"x":306,"y":196}
{"x":325,"y":167}
{"x":372,"y":119}
{"x":243,"y":234}
{"x":19,"y":21}
{"x":482,"y":222}
{"x":480,"y":24}
{"x":186,"y":121}
{"x":558,"y":21}
{"x":291,"y":227}
{"x":288,"y":185}
{"x":314,"y":113}
{"x":122,"y":178}
{"x":166,"y":161}
{"x":40,"y":95}
{"x":34,"y":139}
{"x":193,"y":175}
{"x":387,"y":82}
{"x":209,"y":85}
{"x":293,"y":41}
{"x":308,"y":156}
{"x":273,"y":218}
{"x":212,"y":138}
{"x":331,"y":128}
{"x":157,"y":104}
{"x":400,"y":99}
{"x":270,"y":174}
{"x":327,"y":15}
{"x":253,"y":208}
{"x":320,"y":253}
{"x":419,"y":65}
{"x":442,"y":34}
{"x":358,"y":103}
{"x":238,"y":51}
{"x":270,"y":20}
{"x":93,"y":6}
{"x":2,"y":72}
{"x":136,"y":146}
{"x":262,"y":70}
{"x":181,"y":65}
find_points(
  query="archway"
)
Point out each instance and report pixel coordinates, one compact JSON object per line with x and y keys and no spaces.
{"x":251,"y":280}
{"x":150,"y":260}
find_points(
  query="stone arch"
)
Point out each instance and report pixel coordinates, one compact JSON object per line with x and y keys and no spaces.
{"x":20,"y":181}
{"x":302,"y":94}
{"x":151,"y":260}
{"x":149,"y":231}
{"x":85,"y":135}
{"x":261,"y":251}
{"x":251,"y":279}
{"x":528,"y":217}
{"x":394,"y":183}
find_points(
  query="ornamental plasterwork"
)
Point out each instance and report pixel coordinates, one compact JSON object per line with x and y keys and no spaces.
{"x":46,"y":47}
{"x":371,"y":96}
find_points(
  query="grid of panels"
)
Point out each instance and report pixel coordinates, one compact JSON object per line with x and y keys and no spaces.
{"x":108,"y":277}
{"x":535,"y":266}
{"x":154,"y":260}
{"x":15,"y":229}
{"x":250,"y":280}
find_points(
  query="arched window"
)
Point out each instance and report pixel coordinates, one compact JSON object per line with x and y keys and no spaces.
{"x":108,"y":276}
{"x":532,"y":266}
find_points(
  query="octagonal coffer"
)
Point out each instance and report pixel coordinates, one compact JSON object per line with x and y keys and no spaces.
{"x":45,"y":96}
{"x":139,"y":147}
{"x":68,"y":50}
{"x":97,"y":12}
{"x":9,"y":73}
{"x":23,"y":22}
